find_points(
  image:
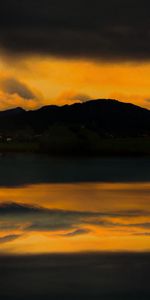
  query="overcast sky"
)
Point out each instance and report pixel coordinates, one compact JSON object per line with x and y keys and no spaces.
{"x":65,"y":51}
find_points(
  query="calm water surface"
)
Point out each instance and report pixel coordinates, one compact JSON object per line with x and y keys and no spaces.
{"x":50,"y":205}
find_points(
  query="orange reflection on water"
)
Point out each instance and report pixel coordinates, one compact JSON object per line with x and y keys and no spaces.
{"x":75,"y":217}
{"x":81,"y":196}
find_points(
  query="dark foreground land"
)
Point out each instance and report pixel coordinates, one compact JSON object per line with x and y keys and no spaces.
{"x":76,"y":276}
{"x":81,"y":147}
{"x":97,"y":127}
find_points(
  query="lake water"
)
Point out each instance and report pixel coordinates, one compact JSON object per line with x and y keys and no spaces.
{"x":51,"y":205}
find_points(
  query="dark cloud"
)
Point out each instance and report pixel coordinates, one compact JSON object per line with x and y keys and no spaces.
{"x":145,"y":225}
{"x":76,"y":232}
{"x":32,"y":218}
{"x":9,"y":238}
{"x":15,"y":208}
{"x":142,"y":233}
{"x":21,"y":208}
{"x":13,"y":86}
{"x":109,"y":30}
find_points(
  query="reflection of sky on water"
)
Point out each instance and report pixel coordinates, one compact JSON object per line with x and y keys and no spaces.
{"x":68,"y":205}
{"x":75,"y":217}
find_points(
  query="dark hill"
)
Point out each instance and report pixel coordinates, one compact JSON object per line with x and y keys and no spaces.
{"x":105,"y":117}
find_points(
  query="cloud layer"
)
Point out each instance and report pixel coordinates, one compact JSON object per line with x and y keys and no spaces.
{"x":13,"y":86}
{"x":109,"y":30}
{"x":67,"y":223}
{"x":9,"y":238}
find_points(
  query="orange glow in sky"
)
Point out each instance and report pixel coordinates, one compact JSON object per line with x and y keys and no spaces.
{"x":65,"y":81}
{"x":74,"y":217}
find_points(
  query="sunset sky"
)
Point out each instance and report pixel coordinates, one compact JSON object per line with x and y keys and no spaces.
{"x":54,"y":52}
{"x":61,"y":52}
{"x":74,"y":180}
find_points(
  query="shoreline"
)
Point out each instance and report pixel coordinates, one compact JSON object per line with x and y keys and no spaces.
{"x":117,"y":147}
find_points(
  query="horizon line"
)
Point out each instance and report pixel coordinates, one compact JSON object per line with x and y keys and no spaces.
{"x":75,"y":103}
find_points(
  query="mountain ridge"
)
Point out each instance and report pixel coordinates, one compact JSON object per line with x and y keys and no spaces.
{"x":19,"y":108}
{"x":106,"y":117}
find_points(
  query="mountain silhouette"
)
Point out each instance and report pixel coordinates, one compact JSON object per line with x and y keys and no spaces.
{"x":105,"y":117}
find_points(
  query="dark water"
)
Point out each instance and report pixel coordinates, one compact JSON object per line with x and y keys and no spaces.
{"x":27,"y":169}
{"x":74,"y":228}
{"x":82,"y":276}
